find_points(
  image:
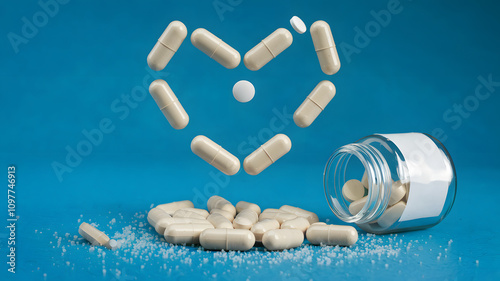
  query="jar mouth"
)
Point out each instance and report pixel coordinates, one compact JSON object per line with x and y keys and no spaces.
{"x":378,"y":181}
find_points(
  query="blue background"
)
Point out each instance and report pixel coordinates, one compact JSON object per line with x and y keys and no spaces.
{"x":78,"y":68}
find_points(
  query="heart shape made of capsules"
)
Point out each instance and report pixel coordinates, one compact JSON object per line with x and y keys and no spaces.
{"x":269,"y":48}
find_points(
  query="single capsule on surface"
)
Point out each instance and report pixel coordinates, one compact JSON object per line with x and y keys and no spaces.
{"x":314,"y":104}
{"x":169,"y":104}
{"x":226,"y":214}
{"x":219,"y":221}
{"x":245,"y":219}
{"x":299,"y":223}
{"x":325,"y":47}
{"x":227,"y":239}
{"x":332,"y":235}
{"x":166,"y":46}
{"x":170,"y":208}
{"x":353,"y":190}
{"x":217,"y":202}
{"x":215,"y":48}
{"x":310,"y":216}
{"x":267,"y":154}
{"x":215,"y":155}
{"x":268,"y":49}
{"x":242,"y":205}
{"x":264,"y":226}
{"x":185,"y":233}
{"x":281,"y":239}
{"x":96,"y":237}
{"x":156,"y":218}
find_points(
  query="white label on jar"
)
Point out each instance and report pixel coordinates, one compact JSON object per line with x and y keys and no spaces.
{"x":430,"y":175}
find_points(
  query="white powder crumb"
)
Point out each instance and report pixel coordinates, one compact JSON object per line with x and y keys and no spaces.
{"x":151,"y":206}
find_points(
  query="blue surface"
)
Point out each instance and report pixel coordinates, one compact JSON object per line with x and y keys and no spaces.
{"x":76,"y":70}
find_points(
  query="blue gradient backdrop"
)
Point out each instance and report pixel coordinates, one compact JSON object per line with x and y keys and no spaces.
{"x":87,"y":62}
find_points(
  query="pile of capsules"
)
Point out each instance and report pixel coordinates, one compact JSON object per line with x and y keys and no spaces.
{"x":265,"y":51}
{"x":238,"y":228}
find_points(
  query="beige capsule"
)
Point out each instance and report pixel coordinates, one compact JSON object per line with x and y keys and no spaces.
{"x":318,"y":223}
{"x":325,"y":47}
{"x":299,"y":223}
{"x":215,"y":155}
{"x":310,"y":216}
{"x":226,"y":214}
{"x":227,"y":239}
{"x":357,"y":205}
{"x":268,"y":49}
{"x":156,"y":218}
{"x":281,"y":239}
{"x":332,"y":235}
{"x":167,"y":45}
{"x":353,"y":190}
{"x":267,"y":154}
{"x":398,"y":191}
{"x":391,"y":215}
{"x":215,"y":48}
{"x":277,"y":215}
{"x":245,"y":219}
{"x":167,"y":222}
{"x":184,"y":213}
{"x":185,"y":233}
{"x":96,"y":237}
{"x":264,"y":226}
{"x":217,"y":202}
{"x":219,"y":221}
{"x":314,"y":104}
{"x":170,"y":208}
{"x":201,"y":212}
{"x":242,"y":205}
{"x":169,"y":104}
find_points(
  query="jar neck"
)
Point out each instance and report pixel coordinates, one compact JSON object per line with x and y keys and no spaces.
{"x":378,"y":181}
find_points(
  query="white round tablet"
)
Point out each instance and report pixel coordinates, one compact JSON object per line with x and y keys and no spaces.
{"x":298,"y":24}
{"x":243,"y":91}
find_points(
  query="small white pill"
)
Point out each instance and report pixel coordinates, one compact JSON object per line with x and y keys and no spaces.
{"x":332,"y":235}
{"x":314,"y":104}
{"x":217,"y":202}
{"x":185,"y":233}
{"x":227,"y":239}
{"x":357,"y":205}
{"x":267,"y":154}
{"x":243,"y":91}
{"x":398,"y":191}
{"x":170,"y":208}
{"x":185,"y":213}
{"x":310,"y":216}
{"x":215,"y":155}
{"x":264,"y":226}
{"x":215,"y":48}
{"x":167,"y":45}
{"x":325,"y":47}
{"x":169,"y":105}
{"x":95,"y":236}
{"x":281,"y":239}
{"x":156,"y":216}
{"x":299,"y":223}
{"x":242,"y":205}
{"x":277,"y":215}
{"x":391,"y":215}
{"x":219,"y":221}
{"x":245,"y":219}
{"x":226,"y":214}
{"x":353,"y":190}
{"x":268,"y":49}
{"x":298,"y":25}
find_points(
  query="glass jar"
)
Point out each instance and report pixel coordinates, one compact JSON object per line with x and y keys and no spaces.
{"x":388,"y":183}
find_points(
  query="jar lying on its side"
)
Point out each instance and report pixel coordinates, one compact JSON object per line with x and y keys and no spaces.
{"x":391,"y":182}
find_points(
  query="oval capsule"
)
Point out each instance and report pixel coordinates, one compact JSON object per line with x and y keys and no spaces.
{"x":215,"y":155}
{"x":96,"y":237}
{"x":155,"y":218}
{"x":242,"y":205}
{"x":299,"y":223}
{"x":325,"y":47}
{"x":245,"y":219}
{"x":264,"y":226}
{"x":217,"y":202}
{"x":268,"y":49}
{"x":281,"y":239}
{"x":226,"y":214}
{"x":170,"y":208}
{"x":310,"y":216}
{"x":201,"y":212}
{"x":219,"y":221}
{"x":398,"y":191}
{"x":277,"y":215}
{"x":166,"y":46}
{"x":215,"y":48}
{"x":357,"y":205}
{"x":183,"y":213}
{"x":314,"y":104}
{"x":332,"y":235}
{"x":227,"y":239}
{"x":169,"y":104}
{"x":267,"y":154}
{"x":391,"y":215}
{"x":167,"y":222}
{"x":185,"y":233}
{"x":353,"y":190}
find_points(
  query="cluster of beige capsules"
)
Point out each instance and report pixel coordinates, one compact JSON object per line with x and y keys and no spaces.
{"x":356,"y":193}
{"x":269,"y":48}
{"x":228,"y":227}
